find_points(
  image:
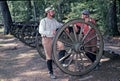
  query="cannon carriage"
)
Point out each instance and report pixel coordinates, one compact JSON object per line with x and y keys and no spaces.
{"x":25,"y":32}
{"x":76,"y":46}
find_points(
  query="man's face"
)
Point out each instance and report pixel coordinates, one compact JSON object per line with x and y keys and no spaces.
{"x":85,"y":16}
{"x":51,"y":13}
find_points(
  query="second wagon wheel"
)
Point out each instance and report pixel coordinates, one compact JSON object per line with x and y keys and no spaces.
{"x":28,"y":34}
{"x":39,"y":47}
{"x":80,"y":46}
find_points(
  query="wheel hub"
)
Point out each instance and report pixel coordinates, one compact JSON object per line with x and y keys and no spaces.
{"x":78,"y":47}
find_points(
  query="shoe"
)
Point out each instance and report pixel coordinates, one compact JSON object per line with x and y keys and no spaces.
{"x":52,"y":76}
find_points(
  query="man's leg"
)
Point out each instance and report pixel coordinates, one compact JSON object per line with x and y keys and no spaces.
{"x":60,"y":47}
{"x":47,"y":43}
{"x":91,"y":56}
{"x":61,"y":54}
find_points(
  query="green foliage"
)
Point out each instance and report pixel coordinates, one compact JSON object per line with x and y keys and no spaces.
{"x":65,"y":9}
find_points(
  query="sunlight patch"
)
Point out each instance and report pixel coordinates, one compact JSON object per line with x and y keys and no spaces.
{"x":105,"y":59}
{"x":31,"y":73}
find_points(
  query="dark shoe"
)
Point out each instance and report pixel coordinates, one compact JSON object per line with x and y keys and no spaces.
{"x":52,"y":76}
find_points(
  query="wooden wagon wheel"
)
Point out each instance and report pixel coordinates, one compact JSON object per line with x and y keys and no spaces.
{"x":16,"y":30}
{"x":28,"y":35}
{"x":13,"y":29}
{"x":39,"y":46}
{"x":76,"y":45}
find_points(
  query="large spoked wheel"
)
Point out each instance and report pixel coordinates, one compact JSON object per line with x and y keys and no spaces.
{"x":39,"y":46}
{"x":28,"y":35}
{"x":79,"y":45}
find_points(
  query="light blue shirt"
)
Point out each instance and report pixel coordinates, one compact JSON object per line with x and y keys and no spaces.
{"x":47,"y":26}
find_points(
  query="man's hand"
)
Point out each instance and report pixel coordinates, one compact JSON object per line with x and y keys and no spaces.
{"x":54,"y":32}
{"x":67,"y":30}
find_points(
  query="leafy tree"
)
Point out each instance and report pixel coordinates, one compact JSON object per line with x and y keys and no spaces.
{"x":106,"y":12}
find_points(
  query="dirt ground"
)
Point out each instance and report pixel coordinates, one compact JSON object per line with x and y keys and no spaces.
{"x":19,"y":62}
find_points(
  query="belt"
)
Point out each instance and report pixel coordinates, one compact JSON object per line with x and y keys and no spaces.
{"x":44,"y":36}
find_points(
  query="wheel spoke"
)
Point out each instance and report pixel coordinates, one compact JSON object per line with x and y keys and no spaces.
{"x":89,"y":46}
{"x":77,"y":68}
{"x":80,"y":34}
{"x":90,"y":39}
{"x":70,"y":61}
{"x":75,"y":34}
{"x":82,"y":61}
{"x":66,"y":56}
{"x":90,"y":52}
{"x":69,"y":36}
{"x":66,"y":43}
{"x":86,"y":34}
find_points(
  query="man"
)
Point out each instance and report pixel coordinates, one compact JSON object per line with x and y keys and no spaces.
{"x":85,"y":27}
{"x":47,"y":29}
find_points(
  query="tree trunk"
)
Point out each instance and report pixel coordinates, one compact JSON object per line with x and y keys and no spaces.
{"x":29,"y":10}
{"x":113,"y":19}
{"x":34,"y":10}
{"x":60,"y":10}
{"x":7,"y":20}
{"x":118,"y":9}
